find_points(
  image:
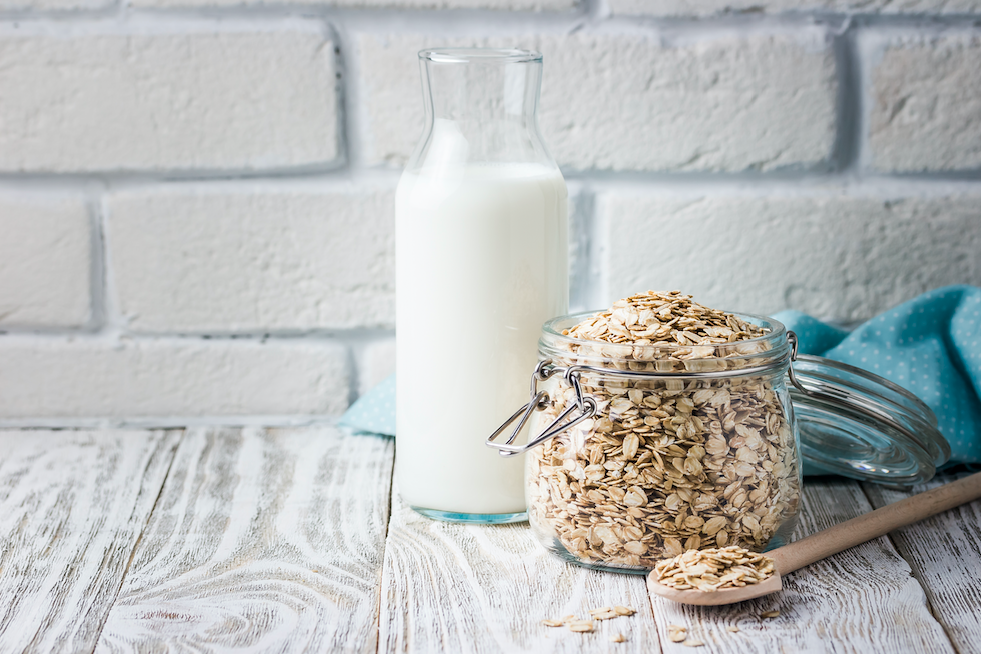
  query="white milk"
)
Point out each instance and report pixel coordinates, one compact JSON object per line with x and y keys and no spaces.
{"x":481,"y":263}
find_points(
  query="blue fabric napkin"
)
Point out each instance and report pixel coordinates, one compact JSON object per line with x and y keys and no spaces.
{"x":374,"y":411}
{"x":930,"y":346}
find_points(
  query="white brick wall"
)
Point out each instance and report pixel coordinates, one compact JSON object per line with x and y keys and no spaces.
{"x":758,"y":101}
{"x":196,"y":195}
{"x":830,"y":255}
{"x":204,"y":260}
{"x":249,"y":98}
{"x":378,"y":362}
{"x":926,"y":111}
{"x":88,"y":378}
{"x":45,"y":261}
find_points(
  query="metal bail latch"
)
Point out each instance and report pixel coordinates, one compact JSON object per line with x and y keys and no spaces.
{"x":539,"y":400}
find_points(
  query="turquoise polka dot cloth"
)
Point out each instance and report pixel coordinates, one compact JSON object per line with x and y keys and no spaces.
{"x":374,"y":411}
{"x":930,"y":346}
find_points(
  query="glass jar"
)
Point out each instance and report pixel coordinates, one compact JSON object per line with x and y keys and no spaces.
{"x":641,"y":452}
{"x":481,"y":241}
{"x":646,"y":451}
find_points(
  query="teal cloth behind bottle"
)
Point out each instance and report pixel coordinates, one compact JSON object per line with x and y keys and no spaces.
{"x":930,"y":346}
{"x":374,"y":411}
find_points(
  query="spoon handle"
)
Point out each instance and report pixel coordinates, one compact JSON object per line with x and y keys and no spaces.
{"x":874,"y":524}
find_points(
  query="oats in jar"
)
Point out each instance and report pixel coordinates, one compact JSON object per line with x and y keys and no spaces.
{"x":691,"y":445}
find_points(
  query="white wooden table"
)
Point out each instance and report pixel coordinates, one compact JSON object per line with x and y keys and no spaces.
{"x":283,"y":540}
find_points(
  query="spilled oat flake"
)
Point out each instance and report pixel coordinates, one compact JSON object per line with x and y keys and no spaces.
{"x":585,"y":626}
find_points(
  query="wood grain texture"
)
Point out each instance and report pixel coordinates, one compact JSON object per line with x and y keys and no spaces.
{"x":945,"y":554}
{"x":263,"y":541}
{"x":275,"y":541}
{"x":862,"y":600}
{"x":72,"y":506}
{"x":467,"y":588}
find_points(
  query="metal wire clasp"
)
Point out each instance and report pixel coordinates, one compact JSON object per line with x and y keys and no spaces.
{"x":539,"y":400}
{"x":586,"y":406}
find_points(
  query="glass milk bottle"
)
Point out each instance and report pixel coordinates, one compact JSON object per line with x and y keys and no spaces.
{"x":481,"y":263}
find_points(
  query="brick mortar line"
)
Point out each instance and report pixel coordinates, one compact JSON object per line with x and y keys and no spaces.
{"x":841,"y":183}
{"x":475,"y":21}
{"x":342,"y":100}
{"x":143,"y":23}
{"x":108,"y":182}
{"x":112,"y":319}
{"x":849,"y":104}
{"x":375,"y":20}
{"x":367,"y":179}
{"x":865,"y":53}
{"x":582,"y":284}
{"x":112,"y":335}
{"x":171,"y":422}
{"x":98,"y":266}
{"x":351,"y":121}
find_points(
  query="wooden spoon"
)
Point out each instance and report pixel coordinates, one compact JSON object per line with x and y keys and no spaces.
{"x":817,"y":546}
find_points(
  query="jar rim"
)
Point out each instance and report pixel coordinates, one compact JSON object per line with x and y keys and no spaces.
{"x":775,"y":340}
{"x":480,"y":56}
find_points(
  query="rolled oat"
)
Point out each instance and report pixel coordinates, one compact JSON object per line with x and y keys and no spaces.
{"x":677,"y":633}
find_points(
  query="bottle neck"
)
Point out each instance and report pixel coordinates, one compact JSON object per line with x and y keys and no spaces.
{"x":482,"y":92}
{"x":480,"y":107}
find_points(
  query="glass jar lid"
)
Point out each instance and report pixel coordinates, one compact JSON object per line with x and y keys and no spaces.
{"x":859,"y":425}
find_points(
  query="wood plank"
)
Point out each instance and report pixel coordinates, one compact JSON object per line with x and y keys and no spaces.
{"x":862,"y":600}
{"x":945,"y":554}
{"x":72,"y":507}
{"x":469,"y":588}
{"x":263,"y":540}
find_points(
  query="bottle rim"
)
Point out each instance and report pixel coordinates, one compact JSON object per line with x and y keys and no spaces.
{"x":480,"y":56}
